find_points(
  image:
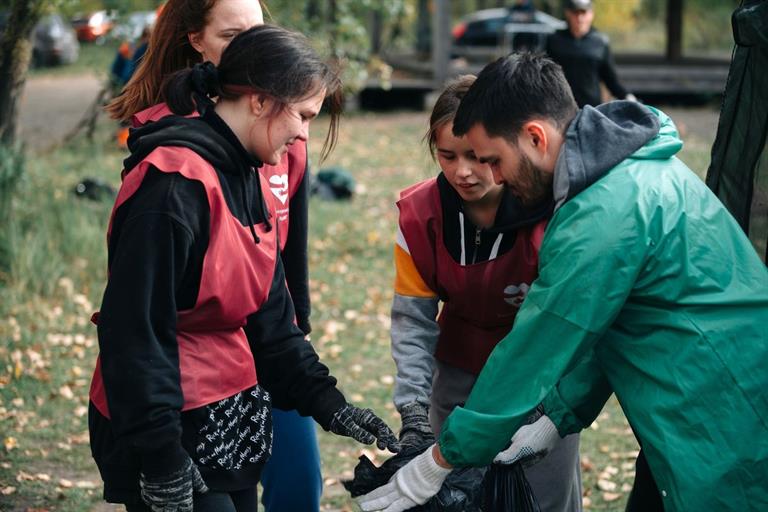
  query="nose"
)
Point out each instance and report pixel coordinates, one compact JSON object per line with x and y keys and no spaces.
{"x":464,"y":170}
{"x":497,"y":178}
{"x":304,"y":131}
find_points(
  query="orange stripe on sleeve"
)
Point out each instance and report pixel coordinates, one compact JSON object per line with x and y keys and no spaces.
{"x":408,"y":282}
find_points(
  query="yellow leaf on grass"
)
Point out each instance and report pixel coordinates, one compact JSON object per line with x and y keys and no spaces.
{"x":10,"y":443}
{"x":606,"y":485}
{"x":611,"y":496}
{"x":5,"y":491}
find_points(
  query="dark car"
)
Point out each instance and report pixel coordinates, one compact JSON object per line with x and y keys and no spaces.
{"x":53,"y":41}
{"x":489,"y":33}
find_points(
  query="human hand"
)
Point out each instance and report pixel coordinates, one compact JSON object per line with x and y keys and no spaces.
{"x":173,"y":492}
{"x":413,"y":484}
{"x":531,"y":443}
{"x":416,"y":430}
{"x":363,"y":426}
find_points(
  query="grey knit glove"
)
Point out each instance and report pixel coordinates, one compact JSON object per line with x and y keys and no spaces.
{"x":416,"y":430}
{"x":363,"y":426}
{"x":173,"y":492}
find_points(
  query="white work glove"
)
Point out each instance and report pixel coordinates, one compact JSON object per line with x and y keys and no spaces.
{"x":413,"y":484}
{"x":531,"y":443}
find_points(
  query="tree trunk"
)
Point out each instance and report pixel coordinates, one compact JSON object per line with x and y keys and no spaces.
{"x":377,"y":25}
{"x":441,"y":42}
{"x":423,"y":29}
{"x":333,"y":21}
{"x":15,"y":52}
{"x":674,"y":29}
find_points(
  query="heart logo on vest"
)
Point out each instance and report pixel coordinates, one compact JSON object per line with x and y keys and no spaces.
{"x":515,"y":294}
{"x":278,"y":184}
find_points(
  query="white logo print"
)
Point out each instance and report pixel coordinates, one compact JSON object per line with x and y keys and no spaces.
{"x":515,"y":294}
{"x":279,"y":186}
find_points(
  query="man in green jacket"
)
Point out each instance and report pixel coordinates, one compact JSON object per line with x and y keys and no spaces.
{"x":647,"y":288}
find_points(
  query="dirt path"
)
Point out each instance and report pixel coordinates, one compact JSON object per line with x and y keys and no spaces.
{"x":51,"y":106}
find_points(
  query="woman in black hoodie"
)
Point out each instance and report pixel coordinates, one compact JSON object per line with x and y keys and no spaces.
{"x":196,"y":330}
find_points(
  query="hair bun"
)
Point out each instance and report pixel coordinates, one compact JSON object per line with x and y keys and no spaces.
{"x":205,"y":79}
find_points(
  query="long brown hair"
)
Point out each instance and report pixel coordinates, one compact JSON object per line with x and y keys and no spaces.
{"x":265,"y":59}
{"x":169,"y":51}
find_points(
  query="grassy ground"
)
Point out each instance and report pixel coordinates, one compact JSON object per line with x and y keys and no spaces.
{"x":48,"y":347}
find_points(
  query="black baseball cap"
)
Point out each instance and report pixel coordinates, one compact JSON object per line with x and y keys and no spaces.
{"x":578,"y":5}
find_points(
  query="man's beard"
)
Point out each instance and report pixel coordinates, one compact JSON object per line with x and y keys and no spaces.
{"x":537,"y":183}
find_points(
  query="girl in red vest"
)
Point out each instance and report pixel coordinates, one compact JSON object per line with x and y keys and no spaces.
{"x":192,"y":31}
{"x":464,"y":241}
{"x":196,"y":330}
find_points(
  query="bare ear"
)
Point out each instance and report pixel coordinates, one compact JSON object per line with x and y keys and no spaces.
{"x":259,"y":105}
{"x":194,"y":40}
{"x":536,"y":136}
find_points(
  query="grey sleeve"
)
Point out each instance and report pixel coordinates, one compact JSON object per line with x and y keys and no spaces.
{"x":414,"y":338}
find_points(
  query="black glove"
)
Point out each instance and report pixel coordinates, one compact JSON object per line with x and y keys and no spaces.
{"x":173,"y":492}
{"x":416,"y":430}
{"x":363,"y":426}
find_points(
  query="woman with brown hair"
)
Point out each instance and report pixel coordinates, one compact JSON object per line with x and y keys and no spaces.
{"x":196,"y":330}
{"x":192,"y":31}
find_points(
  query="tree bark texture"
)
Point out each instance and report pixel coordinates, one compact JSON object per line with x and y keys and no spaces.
{"x":15,"y":53}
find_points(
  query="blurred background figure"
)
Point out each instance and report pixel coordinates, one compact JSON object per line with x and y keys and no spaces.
{"x":585,"y":56}
{"x":127,"y":58}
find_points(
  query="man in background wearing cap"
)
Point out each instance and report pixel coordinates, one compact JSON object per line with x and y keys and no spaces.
{"x":585,"y":56}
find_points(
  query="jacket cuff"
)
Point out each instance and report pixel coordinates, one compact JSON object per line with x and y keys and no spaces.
{"x":564,"y":418}
{"x":326,"y":406}
{"x":166,"y":460}
{"x":303,"y":323}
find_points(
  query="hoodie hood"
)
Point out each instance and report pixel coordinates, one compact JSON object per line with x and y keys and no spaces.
{"x":191,"y":133}
{"x":599,"y":138}
{"x":210,"y":138}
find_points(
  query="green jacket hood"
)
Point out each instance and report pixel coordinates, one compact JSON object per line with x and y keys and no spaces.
{"x":599,"y":138}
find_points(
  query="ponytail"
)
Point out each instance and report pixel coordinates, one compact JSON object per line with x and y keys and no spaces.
{"x":191,"y":89}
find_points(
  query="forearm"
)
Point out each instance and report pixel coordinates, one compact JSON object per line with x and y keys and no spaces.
{"x":414,"y":335}
{"x":579,"y":397}
{"x":287,"y":365}
{"x":137,"y":338}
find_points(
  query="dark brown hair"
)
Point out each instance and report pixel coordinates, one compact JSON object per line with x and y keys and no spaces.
{"x":445,"y":108}
{"x":513,"y":90}
{"x":261,"y":60}
{"x":169,"y":50}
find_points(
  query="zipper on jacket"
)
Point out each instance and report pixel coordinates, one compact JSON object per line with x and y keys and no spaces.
{"x":477,"y":245}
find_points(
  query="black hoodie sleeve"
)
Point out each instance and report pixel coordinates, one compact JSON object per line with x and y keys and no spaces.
{"x":295,"y":254}
{"x":156,"y":244}
{"x":609,"y":76}
{"x":286,"y":364}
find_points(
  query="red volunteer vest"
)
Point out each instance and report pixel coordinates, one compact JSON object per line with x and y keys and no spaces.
{"x":215,"y":359}
{"x":480,"y":300}
{"x":283,"y":179}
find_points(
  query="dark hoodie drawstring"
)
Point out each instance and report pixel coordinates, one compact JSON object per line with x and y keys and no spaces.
{"x":247,"y":205}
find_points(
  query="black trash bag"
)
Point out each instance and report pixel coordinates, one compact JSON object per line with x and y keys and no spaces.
{"x":94,"y":189}
{"x":461,"y":492}
{"x":505,"y":489}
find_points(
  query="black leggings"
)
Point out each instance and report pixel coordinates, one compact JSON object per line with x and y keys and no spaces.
{"x":245,"y":500}
{"x":645,"y":495}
